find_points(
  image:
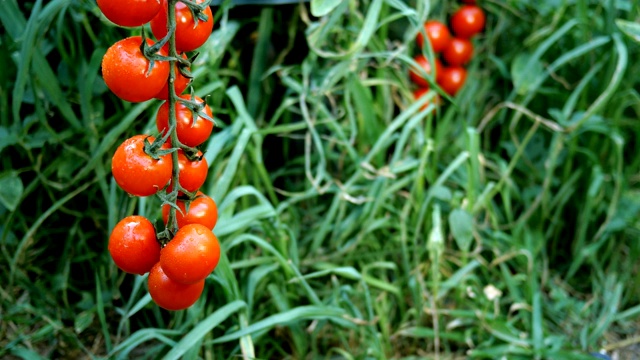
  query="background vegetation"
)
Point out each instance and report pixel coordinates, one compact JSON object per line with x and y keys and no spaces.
{"x":354,"y":224}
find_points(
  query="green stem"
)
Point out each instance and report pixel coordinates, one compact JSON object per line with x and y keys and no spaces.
{"x":172,"y":222}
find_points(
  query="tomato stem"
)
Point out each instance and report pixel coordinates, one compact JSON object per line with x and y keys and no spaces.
{"x":172,"y":222}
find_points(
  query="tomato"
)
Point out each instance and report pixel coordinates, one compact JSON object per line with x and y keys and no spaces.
{"x":438,"y":35}
{"x":420,"y":92}
{"x":189,"y":35}
{"x":467,"y":21}
{"x":452,"y":79}
{"x":169,"y":294}
{"x":129,"y":13}
{"x":192,"y":173}
{"x":202,"y":210}
{"x":180,"y":84}
{"x":458,"y":52}
{"x":424,"y":63}
{"x":124,"y":69}
{"x":133,"y":245}
{"x":138,"y":173}
{"x":191,"y":255}
{"x":188,"y":134}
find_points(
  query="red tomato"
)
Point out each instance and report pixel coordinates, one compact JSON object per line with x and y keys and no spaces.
{"x":124,"y":69}
{"x":192,"y":173}
{"x":424,"y":63}
{"x":180,"y":84}
{"x":133,"y":245}
{"x":129,"y":13}
{"x":169,"y":294}
{"x":452,"y":79}
{"x":188,"y":134}
{"x":438,"y":35}
{"x":138,"y":173}
{"x":191,"y":255}
{"x":467,"y":21}
{"x":459,"y":52}
{"x":420,"y":92}
{"x":189,"y":35}
{"x":202,"y":210}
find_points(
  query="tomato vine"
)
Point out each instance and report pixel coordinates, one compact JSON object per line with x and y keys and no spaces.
{"x":144,"y":165}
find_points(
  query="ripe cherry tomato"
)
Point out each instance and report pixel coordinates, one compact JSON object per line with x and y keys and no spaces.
{"x":138,"y":173}
{"x":189,"y":35}
{"x":169,"y":294}
{"x":202,"y":210}
{"x":129,"y":13}
{"x":180,"y":84}
{"x":424,"y":63}
{"x":452,"y":79}
{"x":133,"y":245}
{"x":420,"y":92}
{"x":467,"y":21}
{"x":191,"y":255}
{"x":458,"y":52}
{"x":438,"y":35}
{"x":124,"y":69}
{"x":187,"y":134}
{"x":192,"y":173}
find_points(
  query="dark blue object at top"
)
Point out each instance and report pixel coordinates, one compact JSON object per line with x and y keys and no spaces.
{"x":600,"y":356}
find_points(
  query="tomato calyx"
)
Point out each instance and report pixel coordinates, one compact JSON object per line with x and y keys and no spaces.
{"x":197,"y":10}
{"x":192,"y":153}
{"x":155,"y":149}
{"x":152,"y":52}
{"x":185,"y":64}
{"x":196,"y":108}
{"x":171,"y":198}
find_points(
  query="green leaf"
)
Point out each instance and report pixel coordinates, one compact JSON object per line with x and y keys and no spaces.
{"x":26,"y":354}
{"x":525,"y":71}
{"x":323,"y":7}
{"x":83,"y":320}
{"x":7,"y":138}
{"x":629,"y":28}
{"x":203,"y":328}
{"x":461,"y":224}
{"x":11,"y":189}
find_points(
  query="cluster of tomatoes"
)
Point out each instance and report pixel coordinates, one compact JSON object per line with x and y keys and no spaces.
{"x":456,"y":50}
{"x":179,"y":258}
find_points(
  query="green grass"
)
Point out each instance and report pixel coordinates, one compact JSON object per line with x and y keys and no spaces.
{"x":354,"y":225}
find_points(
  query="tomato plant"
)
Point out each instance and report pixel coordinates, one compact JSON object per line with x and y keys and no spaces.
{"x":190,"y":132}
{"x":467,"y":21}
{"x":458,"y":52}
{"x":202,"y":210}
{"x":129,"y":13}
{"x":191,"y":255}
{"x":137,"y":70}
{"x":452,"y":79}
{"x":189,"y":34}
{"x":138,"y":173}
{"x":133,"y":245}
{"x":417,"y":77}
{"x":438,"y":35}
{"x":170,"y":294}
{"x":125,"y":70}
